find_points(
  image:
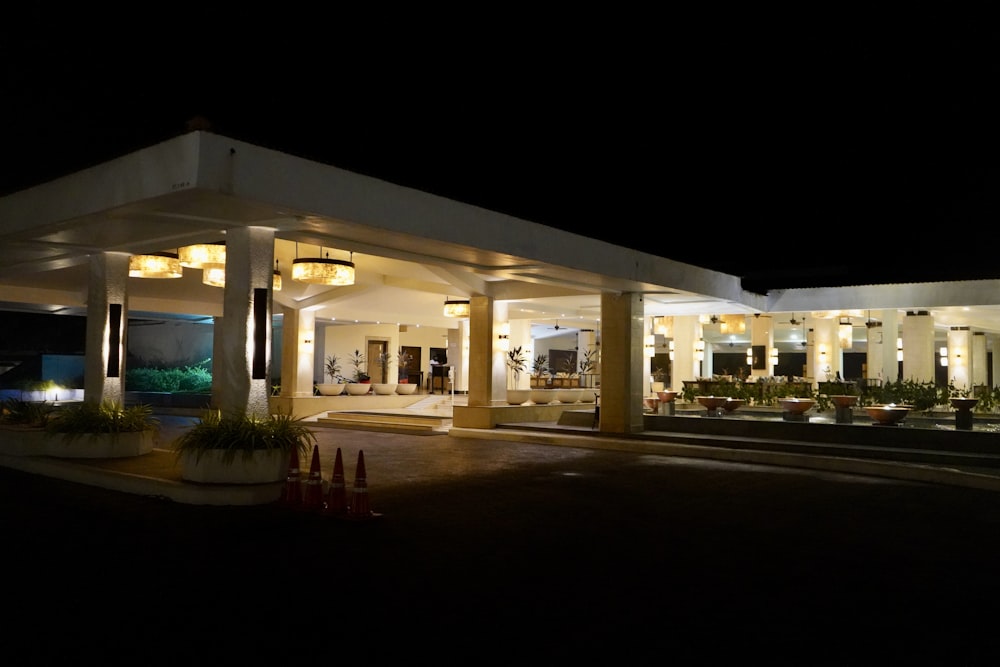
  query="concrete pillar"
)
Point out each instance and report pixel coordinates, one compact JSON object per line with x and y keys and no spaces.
{"x":482,"y":339}
{"x":874,"y":358}
{"x":107,"y":327}
{"x":687,"y":333}
{"x":918,"y":346}
{"x":890,"y":354}
{"x":621,"y":350}
{"x":978,"y":357}
{"x":959,"y":358}
{"x":244,"y":384}
{"x":298,"y":345}
{"x":826,"y":350}
{"x":761,"y":342}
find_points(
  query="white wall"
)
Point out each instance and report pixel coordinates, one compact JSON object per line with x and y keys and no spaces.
{"x":343,"y":339}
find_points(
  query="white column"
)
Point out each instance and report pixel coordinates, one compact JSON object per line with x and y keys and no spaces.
{"x":827,"y":350}
{"x":107,"y":320}
{"x":244,"y":385}
{"x":890,"y":333}
{"x":980,"y":373}
{"x":762,"y":336}
{"x":874,"y":358}
{"x":918,"y":346}
{"x":298,"y":345}
{"x":959,"y":358}
{"x":687,"y":332}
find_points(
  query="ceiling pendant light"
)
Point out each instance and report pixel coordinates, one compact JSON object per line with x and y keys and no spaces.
{"x":456,"y":308}
{"x":322,"y":270}
{"x":154,"y":265}
{"x":198,"y":255}
{"x":276,"y":283}
{"x":214,"y":274}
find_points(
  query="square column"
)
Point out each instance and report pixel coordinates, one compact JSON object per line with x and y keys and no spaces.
{"x":622,"y":390}
{"x":298,"y":351}
{"x":107,"y":317}
{"x":481,"y":343}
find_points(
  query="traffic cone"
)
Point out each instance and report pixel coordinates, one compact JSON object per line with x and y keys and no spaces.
{"x":291,"y":495}
{"x":360,"y":508}
{"x":336,"y":502}
{"x":312,"y":497}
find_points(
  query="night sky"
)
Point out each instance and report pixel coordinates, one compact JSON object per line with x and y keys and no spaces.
{"x":790,"y":149}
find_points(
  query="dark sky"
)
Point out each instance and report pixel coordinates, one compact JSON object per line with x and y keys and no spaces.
{"x":788,"y":148}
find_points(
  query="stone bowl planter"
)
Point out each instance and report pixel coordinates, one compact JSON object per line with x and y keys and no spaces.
{"x":569,"y":395}
{"x":667,"y":396}
{"x":963,"y":403}
{"x":887,"y":415}
{"x":384,"y":388}
{"x":844,"y":401}
{"x":333,"y":389}
{"x":796,"y":406}
{"x":518,"y":396}
{"x":358,"y":388}
{"x":542,"y":396}
{"x":210,"y":467}
{"x":733,"y":404}
{"x":406,"y":388}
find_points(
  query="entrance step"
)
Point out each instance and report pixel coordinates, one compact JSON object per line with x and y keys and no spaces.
{"x":392,"y":422}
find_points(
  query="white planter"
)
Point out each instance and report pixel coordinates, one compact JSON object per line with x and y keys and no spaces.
{"x":543,"y":396}
{"x":406,"y":389}
{"x":264,"y":466}
{"x":335,"y":389}
{"x":569,"y":395}
{"x":358,"y":388}
{"x":23,"y":440}
{"x":384,"y":388}
{"x":99,"y":445}
{"x":518,"y":396}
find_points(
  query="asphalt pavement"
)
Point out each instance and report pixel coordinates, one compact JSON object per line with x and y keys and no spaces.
{"x":496,"y":552}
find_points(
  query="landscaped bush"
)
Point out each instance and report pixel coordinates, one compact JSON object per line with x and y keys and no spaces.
{"x":190,"y":379}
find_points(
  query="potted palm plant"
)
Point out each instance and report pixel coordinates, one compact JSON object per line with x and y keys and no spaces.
{"x":385,"y":388}
{"x":516,"y":364}
{"x":403,"y":360}
{"x":242,"y":448}
{"x":540,"y":379}
{"x":362,"y":381}
{"x":332,"y":370}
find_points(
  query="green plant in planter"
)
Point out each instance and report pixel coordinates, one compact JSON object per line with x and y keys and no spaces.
{"x":386,"y":361}
{"x":516,"y":364}
{"x":358,"y":360}
{"x":332,"y":367}
{"x":25,"y":413}
{"x":79,"y":419}
{"x":403,"y":360}
{"x":242,"y":434}
{"x":540,"y":365}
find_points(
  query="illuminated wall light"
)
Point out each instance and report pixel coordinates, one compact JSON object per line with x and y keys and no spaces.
{"x":899,"y":349}
{"x":671,"y":347}
{"x":649,"y":346}
{"x":504,"y":336}
{"x":699,"y":350}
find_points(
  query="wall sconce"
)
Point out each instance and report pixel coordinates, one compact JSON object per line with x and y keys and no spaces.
{"x":943,"y":353}
{"x":822,"y":353}
{"x":774,"y":356}
{"x":504,"y":336}
{"x":671,"y":347}
{"x":649,"y":346}
{"x":845,"y":334}
{"x":699,"y":350}
{"x":899,"y":349}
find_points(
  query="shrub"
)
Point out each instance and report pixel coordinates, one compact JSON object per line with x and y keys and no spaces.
{"x":107,"y":417}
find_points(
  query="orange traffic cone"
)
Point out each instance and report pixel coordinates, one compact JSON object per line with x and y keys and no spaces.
{"x":291,"y":495}
{"x":360,"y":508}
{"x":336,"y":501}
{"x":312,"y":497}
